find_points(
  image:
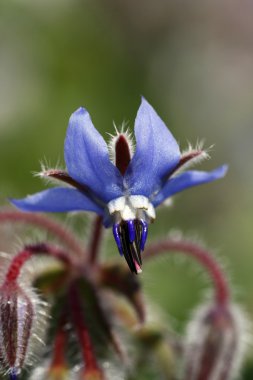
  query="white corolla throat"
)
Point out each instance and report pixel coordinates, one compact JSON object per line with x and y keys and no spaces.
{"x":132,"y":207}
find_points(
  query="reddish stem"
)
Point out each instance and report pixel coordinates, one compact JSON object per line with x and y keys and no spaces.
{"x":60,"y":343}
{"x":59,"y":349}
{"x":46,"y":223}
{"x":96,"y":236}
{"x":203,"y":257}
{"x":23,"y":256}
{"x":51,"y":250}
{"x":15,"y":266}
{"x":82,"y":331}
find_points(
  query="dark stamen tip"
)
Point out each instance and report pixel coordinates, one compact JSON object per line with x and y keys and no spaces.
{"x":130,"y":237}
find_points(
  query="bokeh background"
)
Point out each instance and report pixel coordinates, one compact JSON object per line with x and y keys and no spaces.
{"x":192,"y":60}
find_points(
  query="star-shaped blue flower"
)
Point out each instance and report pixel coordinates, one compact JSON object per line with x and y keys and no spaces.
{"x":124,"y":189}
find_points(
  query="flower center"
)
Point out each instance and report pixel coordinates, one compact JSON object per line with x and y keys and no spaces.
{"x":131,"y":216}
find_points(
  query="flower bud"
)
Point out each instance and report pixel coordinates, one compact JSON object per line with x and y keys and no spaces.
{"x":155,"y":340}
{"x":18,"y":322}
{"x":118,"y":278}
{"x":58,"y":373}
{"x":215,"y":343}
{"x":45,"y":371}
{"x":92,"y":374}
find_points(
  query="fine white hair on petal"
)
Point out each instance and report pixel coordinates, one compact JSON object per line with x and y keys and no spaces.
{"x":123,"y":131}
{"x":45,"y":169}
{"x":46,"y":165}
{"x":199,"y":154}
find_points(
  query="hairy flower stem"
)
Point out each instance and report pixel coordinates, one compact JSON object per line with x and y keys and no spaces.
{"x":23,"y":256}
{"x":48,"y":224}
{"x":96,"y":237}
{"x":202,"y":256}
{"x":59,"y":349}
{"x":60,"y":344}
{"x":15,"y":266}
{"x":78,"y":317}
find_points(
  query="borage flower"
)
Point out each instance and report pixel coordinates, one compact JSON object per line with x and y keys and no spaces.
{"x":126,"y":189}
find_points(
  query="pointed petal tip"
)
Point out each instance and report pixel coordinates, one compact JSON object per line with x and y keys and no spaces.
{"x":187,"y":180}
{"x":23,"y":204}
{"x":157,"y":152}
{"x":87,"y":157}
{"x":81,"y":111}
{"x":224,"y":168}
{"x":220,"y":172}
{"x":144,"y":102}
{"x":57,"y":199}
{"x":16,"y":202}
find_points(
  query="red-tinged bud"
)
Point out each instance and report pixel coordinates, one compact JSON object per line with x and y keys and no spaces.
{"x":118,"y":278}
{"x":45,"y":371}
{"x":216,"y":343}
{"x":18,"y":324}
{"x":155,"y":341}
{"x":92,"y":374}
{"x":58,"y":373}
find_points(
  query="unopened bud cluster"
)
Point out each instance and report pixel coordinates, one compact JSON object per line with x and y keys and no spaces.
{"x":96,"y":325}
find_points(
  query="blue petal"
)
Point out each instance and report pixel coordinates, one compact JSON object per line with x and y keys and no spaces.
{"x":157,"y":152}
{"x":59,"y":199}
{"x":186,"y":180}
{"x":87,"y":158}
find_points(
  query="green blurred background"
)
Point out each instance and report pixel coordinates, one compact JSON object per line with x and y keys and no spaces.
{"x":192,"y":60}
